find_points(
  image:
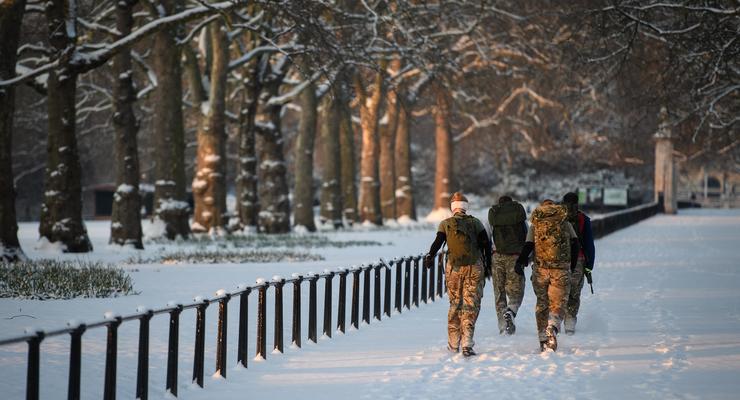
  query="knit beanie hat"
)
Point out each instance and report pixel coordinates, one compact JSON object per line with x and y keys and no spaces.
{"x":458,"y":201}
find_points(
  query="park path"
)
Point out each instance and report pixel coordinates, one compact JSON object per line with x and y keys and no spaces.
{"x":664,"y":323}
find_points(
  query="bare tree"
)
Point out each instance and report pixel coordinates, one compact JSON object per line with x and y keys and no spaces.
{"x":126,"y":213}
{"x":388,"y":130}
{"x":443,"y":176}
{"x":331,"y":198}
{"x":347,"y":157}
{"x":405,"y":203}
{"x":369,"y":200}
{"x":209,"y":186}
{"x":11,"y":17}
{"x":303,"y":192}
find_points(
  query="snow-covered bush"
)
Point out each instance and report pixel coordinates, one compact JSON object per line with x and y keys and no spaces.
{"x":202,"y":256}
{"x":51,"y":279}
{"x":279,"y":240}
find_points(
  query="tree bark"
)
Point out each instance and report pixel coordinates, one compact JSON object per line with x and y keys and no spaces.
{"x":387,"y":156}
{"x":303,"y":191}
{"x":443,"y":141}
{"x":11,"y":18}
{"x":171,"y":207}
{"x":369,"y":201}
{"x":246,"y":180}
{"x":209,"y":186}
{"x":61,"y":213}
{"x":126,"y":215}
{"x":274,"y":215}
{"x":331,"y":194}
{"x":405,"y":204}
{"x":347,"y":161}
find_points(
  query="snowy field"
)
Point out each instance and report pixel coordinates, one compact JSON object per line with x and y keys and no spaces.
{"x":664,"y":323}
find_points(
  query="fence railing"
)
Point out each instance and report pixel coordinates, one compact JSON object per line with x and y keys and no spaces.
{"x":412,"y":284}
{"x":614,"y":221}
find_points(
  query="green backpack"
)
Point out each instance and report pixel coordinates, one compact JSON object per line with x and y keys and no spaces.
{"x":507,"y":222}
{"x":462,"y":233}
{"x":551,"y":244}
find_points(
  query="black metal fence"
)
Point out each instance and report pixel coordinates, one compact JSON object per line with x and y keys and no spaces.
{"x":614,"y":221}
{"x":412,"y":284}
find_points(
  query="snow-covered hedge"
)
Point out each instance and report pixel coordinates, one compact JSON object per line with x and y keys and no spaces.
{"x":281,"y":240}
{"x":226,"y":257}
{"x":51,"y":279}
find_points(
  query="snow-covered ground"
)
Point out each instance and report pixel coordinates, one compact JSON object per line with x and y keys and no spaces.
{"x":664,"y":323}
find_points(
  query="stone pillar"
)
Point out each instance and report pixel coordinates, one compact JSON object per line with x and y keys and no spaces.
{"x":665,"y":175}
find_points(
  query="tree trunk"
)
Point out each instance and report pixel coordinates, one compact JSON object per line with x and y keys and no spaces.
{"x":171,"y":207}
{"x":443,"y":141}
{"x":61,"y":213}
{"x":303,"y":191}
{"x":126,"y":216}
{"x":209,"y":186}
{"x":347,"y":161}
{"x":246,"y":180}
{"x":387,"y":156}
{"x":331,"y":194}
{"x":274,"y":215}
{"x":11,"y":18}
{"x":369,"y":202}
{"x":405,"y":205}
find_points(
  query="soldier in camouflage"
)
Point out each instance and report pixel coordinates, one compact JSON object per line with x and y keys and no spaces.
{"x":509,"y":231}
{"x":555,"y":246}
{"x":469,"y":257}
{"x":582,"y":225}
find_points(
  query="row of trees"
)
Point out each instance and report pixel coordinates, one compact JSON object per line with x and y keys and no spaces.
{"x":235,"y":69}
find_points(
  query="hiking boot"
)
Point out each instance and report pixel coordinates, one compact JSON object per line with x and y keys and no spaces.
{"x":570,"y":325}
{"x":468,"y":351}
{"x":453,"y":349}
{"x":543,"y":346}
{"x":552,"y":340}
{"x":510,"y":328}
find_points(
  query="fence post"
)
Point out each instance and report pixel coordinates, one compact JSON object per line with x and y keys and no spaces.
{"x":262,"y":319}
{"x":366,"y":294}
{"x":407,"y":284}
{"x":423,"y":284}
{"x":241,"y":347}
{"x":387,"y":292}
{"x":342,"y":302}
{"x":327,"y":302}
{"x":376,"y":291}
{"x":278,"y":327}
{"x":32,"y":372}
{"x":416,"y":282}
{"x":431,"y":283}
{"x":200,"y":342}
{"x":296,"y":339}
{"x":356,"y":297}
{"x":111,"y":356}
{"x":221,"y":340}
{"x":172,"y":349}
{"x":312,"y":307}
{"x":75,"y":362}
{"x":399,"y":280}
{"x":142,"y":369}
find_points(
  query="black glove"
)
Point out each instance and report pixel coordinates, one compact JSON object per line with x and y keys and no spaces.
{"x":519,"y":268}
{"x":428,"y":261}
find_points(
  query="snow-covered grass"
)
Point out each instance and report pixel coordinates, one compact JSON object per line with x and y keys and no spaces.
{"x":222,"y":256}
{"x":51,"y":279}
{"x":663,"y":323}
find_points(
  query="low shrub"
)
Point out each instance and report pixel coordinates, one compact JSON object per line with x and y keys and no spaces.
{"x":52,"y":279}
{"x":226,"y":256}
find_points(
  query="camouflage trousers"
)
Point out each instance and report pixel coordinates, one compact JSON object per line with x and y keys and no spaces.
{"x":574,"y":295}
{"x":464,"y":289}
{"x":508,"y":286}
{"x":551,"y":288}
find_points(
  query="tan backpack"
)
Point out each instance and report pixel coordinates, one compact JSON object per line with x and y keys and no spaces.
{"x":551,"y":244}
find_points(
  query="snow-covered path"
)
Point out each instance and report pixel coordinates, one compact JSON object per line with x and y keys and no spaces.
{"x":664,"y":323}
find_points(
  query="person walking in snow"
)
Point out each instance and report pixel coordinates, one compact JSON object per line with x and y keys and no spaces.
{"x":582,"y":225}
{"x":555,"y":246}
{"x":469,"y":257}
{"x":509,"y":231}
